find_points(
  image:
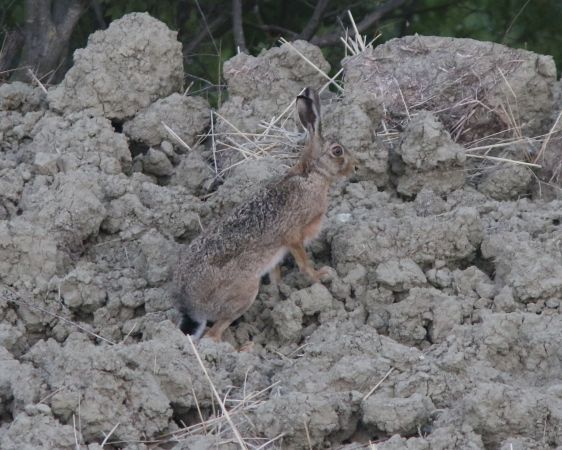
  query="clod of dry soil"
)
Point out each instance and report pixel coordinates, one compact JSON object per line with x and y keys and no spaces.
{"x":447,"y":278}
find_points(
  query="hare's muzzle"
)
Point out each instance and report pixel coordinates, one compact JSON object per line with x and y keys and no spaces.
{"x":349,"y":165}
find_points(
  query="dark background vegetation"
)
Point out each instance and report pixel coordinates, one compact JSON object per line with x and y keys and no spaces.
{"x":41,"y":34}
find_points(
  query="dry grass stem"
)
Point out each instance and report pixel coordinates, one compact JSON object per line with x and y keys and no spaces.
{"x":403,"y":99}
{"x":511,"y":161}
{"x":271,"y":441}
{"x":274,"y":140}
{"x":548,"y":137}
{"x":213,"y":143}
{"x":347,"y":46}
{"x":213,"y":424}
{"x":375,"y":387}
{"x":356,"y":43}
{"x":175,"y":136}
{"x":507,"y":83}
{"x":507,"y":143}
{"x":231,"y":125}
{"x":320,"y":71}
{"x":217,"y":396}
{"x":199,"y":412}
{"x":488,"y":137}
{"x":77,"y":445}
{"x":108,"y":435}
{"x":37,"y":81}
{"x":307,"y":434}
{"x":51,"y":394}
{"x":188,"y":89}
{"x":129,"y":333}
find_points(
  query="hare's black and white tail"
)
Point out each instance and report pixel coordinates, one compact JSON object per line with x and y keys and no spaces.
{"x":192,"y":327}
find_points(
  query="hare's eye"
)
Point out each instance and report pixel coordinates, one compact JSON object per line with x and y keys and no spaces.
{"x":337,"y":150}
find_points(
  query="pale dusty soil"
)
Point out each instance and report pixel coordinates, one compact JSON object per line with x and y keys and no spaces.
{"x":447,"y":277}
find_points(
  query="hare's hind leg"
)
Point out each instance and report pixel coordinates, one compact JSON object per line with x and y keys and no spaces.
{"x":218,"y":328}
{"x":236,"y":300}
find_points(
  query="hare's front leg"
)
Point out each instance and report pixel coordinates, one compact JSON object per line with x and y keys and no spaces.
{"x":275,"y":275}
{"x":305,"y":265}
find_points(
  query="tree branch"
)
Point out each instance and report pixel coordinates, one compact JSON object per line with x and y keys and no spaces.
{"x":314,"y":21}
{"x":203,"y":33}
{"x":237,"y":27}
{"x":34,"y":9}
{"x":48,"y":28}
{"x":277,"y":30}
{"x":70,"y":19}
{"x":182,"y":16}
{"x":99,"y":14}
{"x":334,"y":38}
{"x":11,"y":46}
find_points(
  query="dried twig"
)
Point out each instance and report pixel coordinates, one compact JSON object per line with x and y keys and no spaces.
{"x":314,"y":22}
{"x":368,"y":394}
{"x":108,"y":435}
{"x":307,"y":433}
{"x":207,"y":28}
{"x":271,"y":441}
{"x":320,"y":71}
{"x":547,"y":139}
{"x":213,"y":144}
{"x":356,"y":43}
{"x":217,"y":396}
{"x":176,"y":136}
{"x":34,"y":77}
{"x":237,"y":27}
{"x":77,"y":445}
{"x":370,"y":19}
{"x":496,"y":158}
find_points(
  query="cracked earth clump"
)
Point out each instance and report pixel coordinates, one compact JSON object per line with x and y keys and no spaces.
{"x":438,"y":325}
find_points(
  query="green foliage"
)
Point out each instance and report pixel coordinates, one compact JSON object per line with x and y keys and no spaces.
{"x":12,"y":12}
{"x":165,"y":10}
{"x":530,"y":24}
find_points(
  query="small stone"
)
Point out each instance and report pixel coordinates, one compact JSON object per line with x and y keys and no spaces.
{"x":400,"y":275}
{"x":157,"y":163}
{"x":397,"y":415}
{"x":504,"y":301}
{"x":553,"y":303}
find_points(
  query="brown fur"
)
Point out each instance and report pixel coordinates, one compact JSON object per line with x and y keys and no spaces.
{"x":217,"y":277}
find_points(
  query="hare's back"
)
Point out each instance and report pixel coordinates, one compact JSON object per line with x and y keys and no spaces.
{"x":257,"y":224}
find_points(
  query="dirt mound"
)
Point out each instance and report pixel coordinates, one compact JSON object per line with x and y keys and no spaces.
{"x":438,"y":327}
{"x":477,"y":87}
{"x":136,"y":61}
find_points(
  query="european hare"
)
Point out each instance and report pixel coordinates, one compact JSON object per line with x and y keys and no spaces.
{"x":218,"y":274}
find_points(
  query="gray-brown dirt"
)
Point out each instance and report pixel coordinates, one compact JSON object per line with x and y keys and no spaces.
{"x":439,"y":326}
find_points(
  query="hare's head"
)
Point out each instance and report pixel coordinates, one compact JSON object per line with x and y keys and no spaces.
{"x":327,"y":157}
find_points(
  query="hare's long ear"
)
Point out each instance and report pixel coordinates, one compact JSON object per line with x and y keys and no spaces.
{"x":308,"y":107}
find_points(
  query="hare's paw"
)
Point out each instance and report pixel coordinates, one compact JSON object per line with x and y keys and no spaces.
{"x":324,"y":273}
{"x":247,"y":347}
